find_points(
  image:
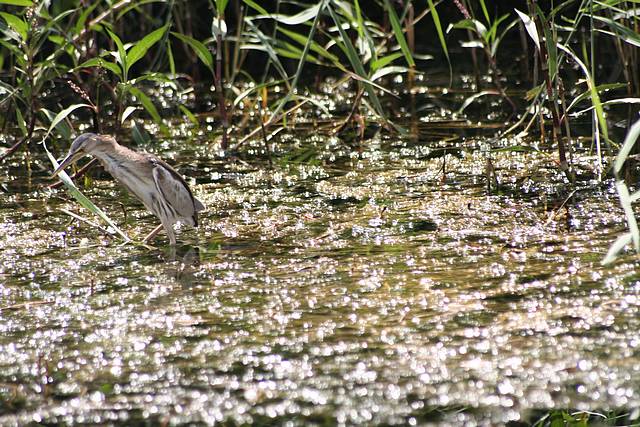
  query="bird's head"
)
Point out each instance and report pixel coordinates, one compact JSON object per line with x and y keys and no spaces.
{"x":87,"y":143}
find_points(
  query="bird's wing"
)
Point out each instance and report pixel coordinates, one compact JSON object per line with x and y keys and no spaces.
{"x":199,"y":205}
{"x":175,"y":190}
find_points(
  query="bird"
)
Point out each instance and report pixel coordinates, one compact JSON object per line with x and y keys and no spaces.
{"x":156,"y":184}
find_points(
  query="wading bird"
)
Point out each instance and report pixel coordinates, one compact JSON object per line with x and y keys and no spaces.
{"x":158,"y":186}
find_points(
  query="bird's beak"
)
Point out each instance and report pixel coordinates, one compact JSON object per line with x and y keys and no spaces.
{"x":71,"y":157}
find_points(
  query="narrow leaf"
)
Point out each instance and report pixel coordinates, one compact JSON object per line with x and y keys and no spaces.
{"x":16,"y":24}
{"x":530,"y":26}
{"x":127,"y":112}
{"x":438,"y":25}
{"x":146,"y":103}
{"x":384,"y":61}
{"x":595,"y":98}
{"x":356,"y":63}
{"x":627,"y":145}
{"x":122,"y":53}
{"x":26,"y":3}
{"x":625,"y":202}
{"x":63,"y":115}
{"x":192,"y":118}
{"x":397,"y":31}
{"x":199,"y":48}
{"x":256,"y":6}
{"x":296,"y":19}
{"x":141,"y":47}
{"x":102,"y":63}
{"x":82,"y":19}
{"x":616,"y":247}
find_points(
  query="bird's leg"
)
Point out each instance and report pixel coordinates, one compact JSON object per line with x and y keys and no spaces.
{"x":172,"y":236}
{"x":152,"y":234}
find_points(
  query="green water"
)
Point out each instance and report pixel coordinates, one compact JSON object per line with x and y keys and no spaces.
{"x":343,"y":284}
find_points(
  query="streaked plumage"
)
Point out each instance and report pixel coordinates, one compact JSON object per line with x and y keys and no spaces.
{"x":158,"y":186}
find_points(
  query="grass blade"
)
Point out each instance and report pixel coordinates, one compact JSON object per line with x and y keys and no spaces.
{"x":627,"y":145}
{"x":436,"y":21}
{"x":27,"y":3}
{"x":63,"y":115}
{"x":595,"y":98}
{"x":397,"y":31}
{"x":142,"y":46}
{"x":352,"y":55}
{"x":199,"y":48}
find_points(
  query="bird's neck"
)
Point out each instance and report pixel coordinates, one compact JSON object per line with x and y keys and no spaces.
{"x":115,"y":156}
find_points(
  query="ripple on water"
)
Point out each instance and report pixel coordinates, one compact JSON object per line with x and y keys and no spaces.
{"x":371,"y":290}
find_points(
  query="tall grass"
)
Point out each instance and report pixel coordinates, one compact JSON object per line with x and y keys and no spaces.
{"x":109,"y":54}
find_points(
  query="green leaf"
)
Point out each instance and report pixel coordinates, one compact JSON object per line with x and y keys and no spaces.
{"x":192,"y":118}
{"x":63,"y":115}
{"x":485,"y":11}
{"x":221,"y":5}
{"x":141,"y":47}
{"x":352,"y":55}
{"x":21,"y":123}
{"x":199,"y":48}
{"x":595,"y":97}
{"x":102,"y":63}
{"x":621,"y":32}
{"x":146,"y":103}
{"x":603,"y":88}
{"x":552,"y":52}
{"x":172,"y":62}
{"x":397,"y":31}
{"x":135,"y":5}
{"x":121,"y":57}
{"x":256,"y":6}
{"x":26,"y":3}
{"x":384,"y":61}
{"x":316,"y":47}
{"x":266,"y":44}
{"x":301,"y":62}
{"x":438,"y":25}
{"x":139,"y":135}
{"x":82,"y":19}
{"x":16,"y":24}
